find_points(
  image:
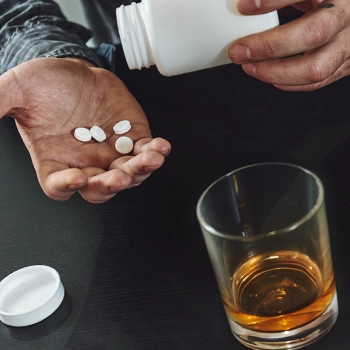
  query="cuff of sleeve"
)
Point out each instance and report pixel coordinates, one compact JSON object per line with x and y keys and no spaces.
{"x":30,"y":43}
{"x":79,"y":52}
{"x":103,"y":56}
{"x":106,"y":54}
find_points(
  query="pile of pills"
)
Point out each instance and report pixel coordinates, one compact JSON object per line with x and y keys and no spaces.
{"x":123,"y":145}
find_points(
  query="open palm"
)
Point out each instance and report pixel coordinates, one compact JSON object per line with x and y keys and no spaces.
{"x":49,"y":98}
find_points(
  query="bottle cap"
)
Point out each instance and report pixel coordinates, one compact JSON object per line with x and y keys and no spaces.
{"x":29,"y":295}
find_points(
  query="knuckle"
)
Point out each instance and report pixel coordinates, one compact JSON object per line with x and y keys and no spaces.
{"x":319,"y":32}
{"x":318,"y":71}
{"x":268,"y":48}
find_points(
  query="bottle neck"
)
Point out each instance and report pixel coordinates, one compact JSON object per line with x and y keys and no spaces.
{"x":133,"y":36}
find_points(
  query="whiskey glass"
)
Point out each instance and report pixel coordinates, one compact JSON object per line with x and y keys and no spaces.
{"x":266,"y":232}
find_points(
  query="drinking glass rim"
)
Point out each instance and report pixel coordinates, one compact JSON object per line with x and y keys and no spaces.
{"x":286,"y":229}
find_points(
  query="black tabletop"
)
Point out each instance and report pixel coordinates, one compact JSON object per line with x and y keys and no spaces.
{"x":135,"y":269}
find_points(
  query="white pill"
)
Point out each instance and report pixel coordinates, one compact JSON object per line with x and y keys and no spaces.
{"x":82,"y":134}
{"x":122,"y":127}
{"x":124,"y":145}
{"x":97,"y":133}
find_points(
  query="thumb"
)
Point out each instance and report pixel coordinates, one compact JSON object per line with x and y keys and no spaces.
{"x":9,"y":93}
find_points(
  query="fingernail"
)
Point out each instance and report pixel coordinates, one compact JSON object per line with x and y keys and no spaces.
{"x":248,"y":6}
{"x":240,"y":53}
{"x":250,"y":69}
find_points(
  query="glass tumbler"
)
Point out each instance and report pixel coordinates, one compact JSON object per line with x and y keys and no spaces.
{"x":266,"y":232}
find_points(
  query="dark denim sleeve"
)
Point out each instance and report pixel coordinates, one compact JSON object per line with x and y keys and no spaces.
{"x":37,"y":28}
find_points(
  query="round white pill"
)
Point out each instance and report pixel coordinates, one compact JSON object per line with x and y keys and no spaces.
{"x":82,"y":134}
{"x":124,"y":145}
{"x":97,"y":133}
{"x":122,"y":127}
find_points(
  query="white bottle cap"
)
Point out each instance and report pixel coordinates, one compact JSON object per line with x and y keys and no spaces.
{"x":124,"y":145}
{"x":122,"y":127}
{"x":29,"y":295}
{"x":97,"y":133}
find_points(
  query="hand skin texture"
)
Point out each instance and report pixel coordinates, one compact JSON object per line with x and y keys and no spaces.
{"x":49,"y":98}
{"x":302,"y":55}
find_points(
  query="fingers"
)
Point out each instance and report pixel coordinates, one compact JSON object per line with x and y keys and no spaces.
{"x":307,"y":6}
{"x":140,"y":167}
{"x":305,"y":54}
{"x":102,"y":185}
{"x":253,"y":7}
{"x":309,"y":71}
{"x":148,"y":144}
{"x":125,"y":172}
{"x":58,"y":181}
{"x":341,"y":72}
{"x":96,"y":185}
{"x":250,"y":7}
{"x":303,"y":34}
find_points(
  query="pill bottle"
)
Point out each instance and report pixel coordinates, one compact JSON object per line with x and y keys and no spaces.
{"x":181,"y":36}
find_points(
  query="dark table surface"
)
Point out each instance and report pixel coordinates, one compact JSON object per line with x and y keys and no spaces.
{"x":135,"y":269}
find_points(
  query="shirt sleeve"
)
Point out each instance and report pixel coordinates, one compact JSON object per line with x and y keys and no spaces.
{"x":37,"y":28}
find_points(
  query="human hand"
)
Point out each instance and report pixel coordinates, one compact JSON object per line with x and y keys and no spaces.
{"x":49,"y":98}
{"x":302,"y":55}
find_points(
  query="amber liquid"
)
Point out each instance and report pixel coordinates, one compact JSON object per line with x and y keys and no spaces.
{"x":278,"y":292}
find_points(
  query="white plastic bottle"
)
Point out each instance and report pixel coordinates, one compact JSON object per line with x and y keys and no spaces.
{"x":180,"y":36}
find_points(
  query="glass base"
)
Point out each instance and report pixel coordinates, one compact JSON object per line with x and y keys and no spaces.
{"x":293,"y":339}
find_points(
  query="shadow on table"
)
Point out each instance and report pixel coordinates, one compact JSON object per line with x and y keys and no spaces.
{"x":43,"y":328}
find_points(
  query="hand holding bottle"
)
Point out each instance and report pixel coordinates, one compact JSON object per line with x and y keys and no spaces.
{"x":302,"y":55}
